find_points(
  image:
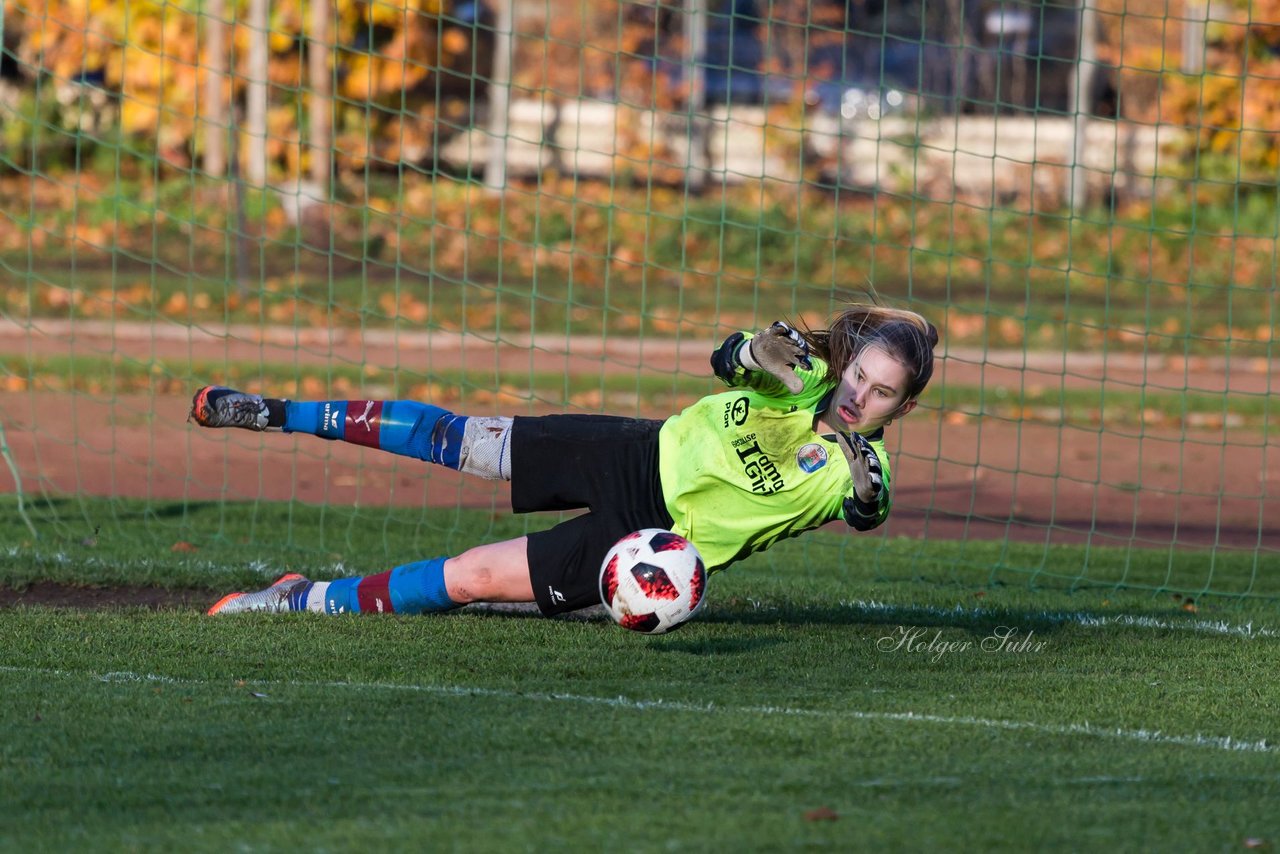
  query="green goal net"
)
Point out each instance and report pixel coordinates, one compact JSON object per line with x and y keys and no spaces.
{"x":531,"y":206}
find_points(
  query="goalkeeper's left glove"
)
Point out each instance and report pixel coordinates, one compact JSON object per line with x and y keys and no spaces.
{"x":777,"y":350}
{"x":862,"y":510}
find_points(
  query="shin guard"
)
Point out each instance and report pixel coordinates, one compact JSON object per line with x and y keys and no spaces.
{"x":415,"y":588}
{"x":403,"y":427}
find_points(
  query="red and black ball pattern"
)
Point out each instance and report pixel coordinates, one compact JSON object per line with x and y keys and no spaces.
{"x":609,"y":579}
{"x":644,"y":623}
{"x":697,"y":586}
{"x":653,"y":581}
{"x":667,"y":542}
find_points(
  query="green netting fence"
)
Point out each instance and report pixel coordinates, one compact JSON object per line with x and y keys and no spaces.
{"x":526,"y":206}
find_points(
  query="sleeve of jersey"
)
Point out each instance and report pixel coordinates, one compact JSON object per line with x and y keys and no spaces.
{"x":726,"y":365}
{"x":862,"y":516}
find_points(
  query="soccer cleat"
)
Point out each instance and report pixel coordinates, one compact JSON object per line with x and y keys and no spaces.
{"x":276,"y":599}
{"x":216,"y":406}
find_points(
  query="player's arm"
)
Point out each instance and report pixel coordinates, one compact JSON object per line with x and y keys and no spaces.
{"x":768,"y":358}
{"x":868,"y":506}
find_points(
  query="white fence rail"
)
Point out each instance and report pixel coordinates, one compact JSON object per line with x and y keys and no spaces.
{"x":991,"y":158}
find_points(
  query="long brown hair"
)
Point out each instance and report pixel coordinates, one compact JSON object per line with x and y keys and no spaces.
{"x":904,"y":335}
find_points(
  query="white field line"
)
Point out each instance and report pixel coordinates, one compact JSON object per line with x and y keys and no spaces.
{"x":1150,"y":736}
{"x":1080,"y":618}
{"x":1096,"y":780}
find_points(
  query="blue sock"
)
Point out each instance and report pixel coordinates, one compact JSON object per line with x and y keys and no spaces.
{"x":418,"y":588}
{"x":415,"y":588}
{"x":403,"y":427}
{"x":340,"y":596}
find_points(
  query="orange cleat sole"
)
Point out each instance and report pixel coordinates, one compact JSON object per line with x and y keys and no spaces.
{"x":222,"y":603}
{"x":198,"y":407}
{"x":231,"y":597}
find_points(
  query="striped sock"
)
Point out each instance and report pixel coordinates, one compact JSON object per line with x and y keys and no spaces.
{"x":403,"y":427}
{"x":309,"y":597}
{"x":415,"y":588}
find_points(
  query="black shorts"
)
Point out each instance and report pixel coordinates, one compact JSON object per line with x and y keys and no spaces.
{"x":602,"y":463}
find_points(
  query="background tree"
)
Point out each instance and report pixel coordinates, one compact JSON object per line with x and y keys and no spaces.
{"x":393,"y":61}
{"x":1233,"y":108}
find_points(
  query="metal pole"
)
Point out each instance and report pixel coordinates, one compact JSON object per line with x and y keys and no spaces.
{"x":695,"y":42}
{"x":255,"y":166}
{"x":495,"y":170}
{"x":320,"y":118}
{"x":242,"y":218}
{"x":1082,"y":83}
{"x":215,"y":113}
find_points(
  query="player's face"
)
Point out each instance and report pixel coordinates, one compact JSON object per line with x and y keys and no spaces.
{"x":871,"y":393}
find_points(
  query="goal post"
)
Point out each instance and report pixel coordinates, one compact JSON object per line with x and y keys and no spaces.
{"x":529,"y":206}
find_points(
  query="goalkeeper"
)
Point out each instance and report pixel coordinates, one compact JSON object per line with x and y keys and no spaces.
{"x":795,"y":442}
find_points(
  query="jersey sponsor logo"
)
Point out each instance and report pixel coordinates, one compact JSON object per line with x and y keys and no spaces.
{"x":736,"y":412}
{"x":811,"y":457}
{"x":760,"y":470}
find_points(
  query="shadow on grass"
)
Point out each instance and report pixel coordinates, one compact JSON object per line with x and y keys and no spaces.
{"x":712,"y":646}
{"x":75,"y":510}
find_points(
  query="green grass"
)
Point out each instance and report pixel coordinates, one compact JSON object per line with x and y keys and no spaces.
{"x":808,"y":683}
{"x":216,"y":545}
{"x":479,"y":732}
{"x":1135,"y":711}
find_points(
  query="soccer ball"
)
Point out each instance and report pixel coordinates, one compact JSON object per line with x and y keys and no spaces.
{"x":652,"y":581}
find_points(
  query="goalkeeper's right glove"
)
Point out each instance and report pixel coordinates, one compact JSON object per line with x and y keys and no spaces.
{"x":777,"y":351}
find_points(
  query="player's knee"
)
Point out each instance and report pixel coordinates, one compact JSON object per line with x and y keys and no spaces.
{"x":468,"y":578}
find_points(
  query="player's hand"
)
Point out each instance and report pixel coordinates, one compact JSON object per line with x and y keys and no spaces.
{"x":864,"y":467}
{"x":777,"y":351}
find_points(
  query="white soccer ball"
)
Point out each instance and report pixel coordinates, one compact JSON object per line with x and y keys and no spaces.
{"x":652,"y":581}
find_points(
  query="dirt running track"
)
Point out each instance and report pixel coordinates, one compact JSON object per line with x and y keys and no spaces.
{"x":956,"y":477}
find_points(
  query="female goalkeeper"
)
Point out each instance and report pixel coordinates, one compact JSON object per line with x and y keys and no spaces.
{"x":795,"y":442}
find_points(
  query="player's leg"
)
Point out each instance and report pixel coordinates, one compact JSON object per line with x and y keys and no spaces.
{"x":605,"y":463}
{"x":564,"y":561}
{"x":496,"y":572}
{"x":568,"y":461}
{"x":474,"y":445}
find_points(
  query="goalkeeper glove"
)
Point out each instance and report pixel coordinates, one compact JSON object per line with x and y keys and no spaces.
{"x":862,"y":510}
{"x":777,"y":351}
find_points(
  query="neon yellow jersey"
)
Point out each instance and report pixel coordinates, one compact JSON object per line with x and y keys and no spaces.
{"x":744,"y":468}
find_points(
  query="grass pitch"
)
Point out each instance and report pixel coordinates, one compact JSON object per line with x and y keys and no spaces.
{"x":813,"y":705}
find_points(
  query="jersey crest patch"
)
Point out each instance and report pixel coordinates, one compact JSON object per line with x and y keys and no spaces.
{"x":811,"y":457}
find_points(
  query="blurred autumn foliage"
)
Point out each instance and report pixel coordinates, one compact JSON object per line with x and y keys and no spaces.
{"x":144,"y":234}
{"x":410,"y":74}
{"x":131,"y":77}
{"x":1232,"y":108}
{"x":390,"y":62}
